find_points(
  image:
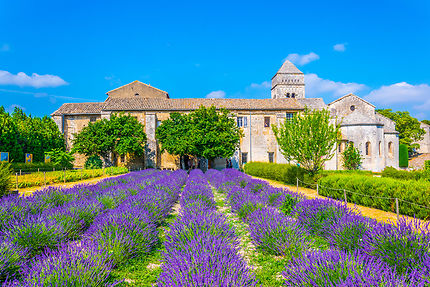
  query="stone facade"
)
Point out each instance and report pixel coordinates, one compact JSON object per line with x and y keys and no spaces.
{"x":425,"y":142}
{"x":374,"y":134}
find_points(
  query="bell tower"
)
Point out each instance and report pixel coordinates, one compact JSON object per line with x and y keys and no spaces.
{"x":289,"y":82}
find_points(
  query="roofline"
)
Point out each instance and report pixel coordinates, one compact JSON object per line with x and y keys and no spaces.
{"x":362,"y":124}
{"x":189,"y":109}
{"x":348,"y":95}
{"x":136,"y":81}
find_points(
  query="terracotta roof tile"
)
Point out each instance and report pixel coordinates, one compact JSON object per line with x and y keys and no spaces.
{"x":79,"y":108}
{"x":142,"y":104}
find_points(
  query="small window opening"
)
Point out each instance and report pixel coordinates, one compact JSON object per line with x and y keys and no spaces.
{"x":368,"y":149}
{"x":271,"y":154}
{"x":244,"y":157}
{"x":352,"y":108}
{"x":266,"y":122}
{"x":137,"y":94}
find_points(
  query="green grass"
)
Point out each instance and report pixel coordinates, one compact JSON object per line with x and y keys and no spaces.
{"x":135,"y":272}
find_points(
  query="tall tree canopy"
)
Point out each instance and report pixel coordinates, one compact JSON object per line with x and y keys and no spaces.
{"x":408,"y":127}
{"x":121,"y":134}
{"x":205,"y":133}
{"x":21,"y":133}
{"x":309,"y":139}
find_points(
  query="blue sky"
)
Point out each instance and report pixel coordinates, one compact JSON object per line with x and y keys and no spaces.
{"x":52,"y":52}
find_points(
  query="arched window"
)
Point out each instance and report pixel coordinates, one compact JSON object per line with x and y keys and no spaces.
{"x":293,"y":95}
{"x":390,"y":149}
{"x":380,"y":148}
{"x":368,"y":149}
{"x":136,"y":94}
{"x":288,"y":95}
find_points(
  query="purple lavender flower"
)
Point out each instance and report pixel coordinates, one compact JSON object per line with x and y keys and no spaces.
{"x":276,"y":233}
{"x":11,"y":258}
{"x":336,"y":268}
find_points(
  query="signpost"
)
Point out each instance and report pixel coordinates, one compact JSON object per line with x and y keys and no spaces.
{"x":4,"y":156}
{"x":28,"y":158}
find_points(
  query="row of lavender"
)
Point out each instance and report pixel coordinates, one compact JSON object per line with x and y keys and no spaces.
{"x":201,"y":246}
{"x":362,"y":251}
{"x":75,"y":236}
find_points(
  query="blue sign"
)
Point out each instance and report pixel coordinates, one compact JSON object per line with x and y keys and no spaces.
{"x":4,"y":156}
{"x":28,"y":158}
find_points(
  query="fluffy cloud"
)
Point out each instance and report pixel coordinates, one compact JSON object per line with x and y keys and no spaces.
{"x":301,"y":60}
{"x":340,"y":47}
{"x":400,"y":93}
{"x":35,"y":80}
{"x":315,"y":86}
{"x":216,"y":95}
{"x":5,"y":48}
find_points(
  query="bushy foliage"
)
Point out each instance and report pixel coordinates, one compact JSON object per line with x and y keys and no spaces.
{"x":93,"y":162}
{"x":5,"y":178}
{"x":308,"y":139}
{"x":427,"y":165}
{"x":21,"y":133}
{"x":381,"y":188}
{"x":203,"y":133}
{"x":61,"y":158}
{"x":403,"y":155}
{"x":405,"y":174}
{"x":122,"y":134}
{"x":351,"y":157}
{"x":286,"y":173}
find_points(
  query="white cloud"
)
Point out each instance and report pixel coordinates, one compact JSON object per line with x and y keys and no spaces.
{"x":315,"y":86}
{"x":35,"y":80}
{"x":263,"y":85}
{"x":340,"y":47}
{"x":216,"y":95}
{"x":301,"y":60}
{"x":402,"y":93}
{"x":5,"y":48}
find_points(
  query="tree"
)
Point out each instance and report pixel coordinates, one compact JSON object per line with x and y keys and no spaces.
{"x":61,"y":158}
{"x":426,"y":122}
{"x":309,"y":139}
{"x":351,"y":157}
{"x":121,"y":134}
{"x":204,"y":133}
{"x":408,"y":127}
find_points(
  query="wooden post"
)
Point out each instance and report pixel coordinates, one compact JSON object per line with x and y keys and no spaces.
{"x":64,"y":175}
{"x":397,"y":208}
{"x":16,"y":181}
{"x":344,"y":196}
{"x":318,"y":189}
{"x":37,"y":170}
{"x":20,"y":172}
{"x":44,"y":177}
{"x":297,"y":185}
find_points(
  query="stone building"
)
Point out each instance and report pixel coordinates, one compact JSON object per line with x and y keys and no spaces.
{"x":372,"y":133}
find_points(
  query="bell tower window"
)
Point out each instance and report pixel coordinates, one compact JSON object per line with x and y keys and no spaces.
{"x":287,"y":95}
{"x":293,"y":95}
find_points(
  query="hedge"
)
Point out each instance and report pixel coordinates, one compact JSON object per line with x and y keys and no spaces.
{"x":35,"y":166}
{"x":406,"y":175}
{"x":287,"y":173}
{"x":417,"y":192}
{"x":5,"y":178}
{"x":403,"y":156}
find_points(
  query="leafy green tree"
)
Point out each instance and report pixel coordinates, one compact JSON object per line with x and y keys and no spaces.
{"x":408,"y":127}
{"x":203,"y":133}
{"x":93,"y":162}
{"x":21,"y":133}
{"x":309,"y":139}
{"x":61,"y":158}
{"x":426,"y":122}
{"x":121,"y":134}
{"x":5,"y":178}
{"x":351,"y":157}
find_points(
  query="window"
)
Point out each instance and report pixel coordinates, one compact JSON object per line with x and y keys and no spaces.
{"x":242,"y":122}
{"x":271,"y":154}
{"x":368,"y":149}
{"x":266,"y":122}
{"x":136,"y":94}
{"x":289,"y":116}
{"x":244,"y":157}
{"x":342,"y":146}
{"x":352,"y":108}
{"x":288,"y":95}
{"x":158,"y":123}
{"x":380,"y":148}
{"x":293,"y":95}
{"x":93,"y":119}
{"x":123,"y":158}
{"x":390,"y":149}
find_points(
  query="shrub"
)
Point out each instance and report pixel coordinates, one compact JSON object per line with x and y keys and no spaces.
{"x":337,"y":268}
{"x":34,"y":166}
{"x":403,"y":155}
{"x":277,"y":234}
{"x":93,"y":162}
{"x":5,"y":178}
{"x":286,"y":173}
{"x":11,"y":257}
{"x":83,"y":264}
{"x":427,"y":165}
{"x":351,"y":157}
{"x":364,"y":187}
{"x":405,"y":246}
{"x":61,"y":158}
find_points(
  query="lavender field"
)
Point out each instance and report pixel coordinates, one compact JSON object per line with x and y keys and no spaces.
{"x":222,"y":228}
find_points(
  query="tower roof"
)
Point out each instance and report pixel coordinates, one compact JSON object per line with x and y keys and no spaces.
{"x":289,"y":68}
